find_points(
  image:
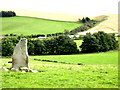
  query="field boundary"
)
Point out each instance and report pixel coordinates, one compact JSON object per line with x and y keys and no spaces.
{"x":57,"y":62}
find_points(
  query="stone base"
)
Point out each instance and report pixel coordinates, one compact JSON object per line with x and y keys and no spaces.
{"x":22,"y":69}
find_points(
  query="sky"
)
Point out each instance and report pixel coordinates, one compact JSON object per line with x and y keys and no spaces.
{"x":83,"y":7}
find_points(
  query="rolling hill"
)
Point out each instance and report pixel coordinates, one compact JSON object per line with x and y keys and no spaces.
{"x":110,"y":25}
{"x":31,"y":25}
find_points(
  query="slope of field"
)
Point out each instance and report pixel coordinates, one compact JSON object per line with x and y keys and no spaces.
{"x":29,"y":25}
{"x":96,"y":73}
{"x":50,"y":15}
{"x":110,"y":25}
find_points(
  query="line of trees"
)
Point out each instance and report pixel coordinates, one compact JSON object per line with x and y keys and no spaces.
{"x":55,"y":45}
{"x":88,"y":23}
{"x":59,"y":45}
{"x":7,"y":14}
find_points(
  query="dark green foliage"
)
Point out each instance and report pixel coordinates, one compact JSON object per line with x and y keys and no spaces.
{"x":39,"y":47}
{"x":56,"y":45}
{"x":85,"y":20}
{"x":99,"y":42}
{"x":90,"y":44}
{"x":31,"y":47}
{"x":8,"y":45}
{"x":87,"y":25}
{"x":65,"y":45}
{"x":38,"y":35}
{"x":60,"y":45}
{"x":56,"y":34}
{"x":51,"y":46}
{"x":7,"y":14}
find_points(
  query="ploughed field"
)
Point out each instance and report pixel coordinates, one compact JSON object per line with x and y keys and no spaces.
{"x":94,"y":70}
{"x":31,"y":25}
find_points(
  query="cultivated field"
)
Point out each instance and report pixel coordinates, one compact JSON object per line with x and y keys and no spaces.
{"x":110,"y":25}
{"x":29,"y":25}
{"x":99,"y":70}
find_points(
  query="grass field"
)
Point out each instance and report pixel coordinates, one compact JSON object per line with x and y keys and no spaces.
{"x":100,"y":70}
{"x":92,"y":58}
{"x":30,"y":25}
{"x":79,"y":43}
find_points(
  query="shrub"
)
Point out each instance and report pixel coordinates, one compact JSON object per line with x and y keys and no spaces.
{"x":7,"y":14}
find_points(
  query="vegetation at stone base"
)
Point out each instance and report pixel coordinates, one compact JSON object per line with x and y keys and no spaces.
{"x":7,"y":14}
{"x":94,"y":74}
{"x":99,"y":42}
{"x":29,"y":25}
{"x":55,"y":45}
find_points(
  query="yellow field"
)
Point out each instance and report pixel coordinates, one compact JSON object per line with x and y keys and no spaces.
{"x":109,"y":26}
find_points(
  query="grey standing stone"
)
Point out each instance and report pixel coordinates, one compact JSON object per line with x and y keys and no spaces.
{"x":20,"y":54}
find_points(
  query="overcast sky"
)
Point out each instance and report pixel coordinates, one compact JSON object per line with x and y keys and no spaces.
{"x":85,"y":7}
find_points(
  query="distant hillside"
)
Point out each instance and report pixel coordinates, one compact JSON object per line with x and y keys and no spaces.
{"x":49,"y":15}
{"x":100,"y":18}
{"x":30,"y":25}
{"x":110,"y":25}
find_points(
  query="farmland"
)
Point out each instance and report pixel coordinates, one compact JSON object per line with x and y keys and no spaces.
{"x":94,"y":73}
{"x":29,"y":25}
{"x":88,"y":70}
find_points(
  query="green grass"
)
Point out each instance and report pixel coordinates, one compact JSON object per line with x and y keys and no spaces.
{"x":117,"y":38}
{"x":79,"y":43}
{"x":30,"y":25}
{"x":92,"y":58}
{"x":94,"y":74}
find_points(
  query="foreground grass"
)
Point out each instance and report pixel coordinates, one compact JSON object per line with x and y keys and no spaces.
{"x":57,"y":75}
{"x":29,"y":25}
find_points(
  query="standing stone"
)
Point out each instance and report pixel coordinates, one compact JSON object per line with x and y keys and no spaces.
{"x":20,"y":54}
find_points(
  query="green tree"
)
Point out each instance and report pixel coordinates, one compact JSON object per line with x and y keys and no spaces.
{"x":83,"y":20}
{"x":51,"y":45}
{"x":60,"y":45}
{"x":39,"y":47}
{"x":66,"y":45}
{"x":87,"y":19}
{"x":31,"y":47}
{"x":99,"y":42}
{"x":7,"y":47}
{"x":90,"y":44}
